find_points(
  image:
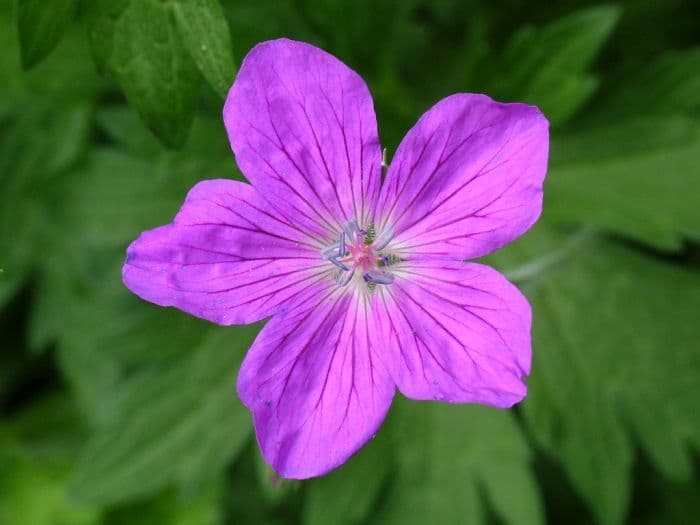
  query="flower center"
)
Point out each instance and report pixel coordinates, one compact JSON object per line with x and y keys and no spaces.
{"x":357,"y":250}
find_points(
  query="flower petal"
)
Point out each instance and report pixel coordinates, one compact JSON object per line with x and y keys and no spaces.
{"x":303,"y":129}
{"x":459,"y":332}
{"x":226,"y":258}
{"x":315,"y":385}
{"x":466,"y":179}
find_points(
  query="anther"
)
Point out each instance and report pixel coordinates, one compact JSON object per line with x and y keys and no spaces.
{"x":356,"y":249}
{"x":378,"y":277}
{"x":352,"y":230}
{"x":330,"y":251}
{"x":337,"y":263}
{"x":343,"y":278}
{"x":384,"y":238}
{"x":341,"y":244}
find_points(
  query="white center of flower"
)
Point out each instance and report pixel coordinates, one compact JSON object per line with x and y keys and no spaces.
{"x":357,"y":251}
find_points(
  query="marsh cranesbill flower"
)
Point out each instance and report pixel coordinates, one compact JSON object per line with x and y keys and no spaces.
{"x":362,"y":276}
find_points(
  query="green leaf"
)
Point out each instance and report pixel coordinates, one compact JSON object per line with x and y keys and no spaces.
{"x":670,"y":84}
{"x":346,"y":496}
{"x":116,"y":195}
{"x":108,"y":210}
{"x":252,"y":21}
{"x":169,"y":509}
{"x":41,"y":25}
{"x":180,"y":424}
{"x":205,"y":33}
{"x":36,"y":451}
{"x":146,"y":52}
{"x":45,"y":122}
{"x":104,"y":331}
{"x":34,"y":493}
{"x":449,"y":456}
{"x":648,"y":195}
{"x":50,"y":428}
{"x":10,"y":283}
{"x":273,"y":489}
{"x":14,"y":363}
{"x":80,"y":301}
{"x":10,"y":63}
{"x":207,"y":152}
{"x":623,"y":138}
{"x":67,"y":76}
{"x":124,"y":126}
{"x":100,"y":18}
{"x":246,"y":499}
{"x":36,"y":147}
{"x":98,"y":217}
{"x":631,"y":166}
{"x":155,"y":71}
{"x":615,"y":357}
{"x":549,"y":67}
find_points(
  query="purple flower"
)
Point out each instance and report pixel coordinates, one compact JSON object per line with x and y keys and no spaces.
{"x":363,"y":277}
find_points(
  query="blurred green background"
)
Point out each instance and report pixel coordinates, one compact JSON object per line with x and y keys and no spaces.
{"x":114,"y":411}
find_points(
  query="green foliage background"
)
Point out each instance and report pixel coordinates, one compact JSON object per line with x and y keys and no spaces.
{"x":114,"y":411}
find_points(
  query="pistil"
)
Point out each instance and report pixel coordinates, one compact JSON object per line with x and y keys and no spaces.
{"x":354,"y":251}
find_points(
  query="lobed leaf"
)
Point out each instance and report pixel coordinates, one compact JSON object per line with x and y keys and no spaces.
{"x":44,"y":131}
{"x":37,"y":448}
{"x":616,"y":360}
{"x":41,"y":25}
{"x":460,"y":454}
{"x":632,"y":166}
{"x":203,"y":28}
{"x":153,"y":67}
{"x":169,"y":509}
{"x":669,"y":84}
{"x":348,"y":495}
{"x":648,"y":195}
{"x":27,"y":171}
{"x":549,"y":66}
{"x":175,"y":425}
{"x":139,"y":42}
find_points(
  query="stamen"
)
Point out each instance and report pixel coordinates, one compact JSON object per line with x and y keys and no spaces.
{"x":330,"y":251}
{"x":383,"y":239}
{"x":337,"y":263}
{"x":374,"y":277}
{"x":341,"y":244}
{"x":390,"y":259}
{"x":343,"y":278}
{"x":351,"y":227}
{"x":357,"y":250}
{"x":352,"y":230}
{"x":370,"y":234}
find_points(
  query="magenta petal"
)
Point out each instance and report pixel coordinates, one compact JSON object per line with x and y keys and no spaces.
{"x":303,"y":129}
{"x":458,"y":332}
{"x":315,"y":385}
{"x":466,"y":179}
{"x":225,"y":258}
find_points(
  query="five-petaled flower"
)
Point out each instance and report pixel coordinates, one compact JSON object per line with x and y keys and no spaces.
{"x":364,"y":279}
